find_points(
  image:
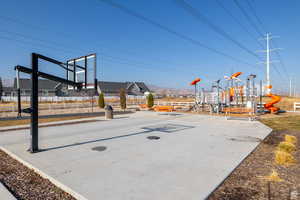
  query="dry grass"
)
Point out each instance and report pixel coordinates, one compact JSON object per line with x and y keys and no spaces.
{"x":173,"y":99}
{"x":285,"y":122}
{"x":43,"y":120}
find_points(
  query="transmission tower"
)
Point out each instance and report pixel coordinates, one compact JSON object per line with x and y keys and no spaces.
{"x":268,"y":60}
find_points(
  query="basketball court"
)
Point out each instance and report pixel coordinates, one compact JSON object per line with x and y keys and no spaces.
{"x":144,"y":155}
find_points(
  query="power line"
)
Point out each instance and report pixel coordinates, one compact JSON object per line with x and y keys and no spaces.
{"x":107,"y":59}
{"x":268,"y":60}
{"x":248,"y":17}
{"x":33,"y":26}
{"x":104,"y":55}
{"x":51,"y":43}
{"x":266,"y":30}
{"x":255,"y":27}
{"x":280,"y":60}
{"x":72,"y":49}
{"x":30,"y":43}
{"x":162,"y":27}
{"x":246,"y":30}
{"x":255,"y":15}
{"x":219,"y":2}
{"x":65,"y":35}
{"x":187,"y":7}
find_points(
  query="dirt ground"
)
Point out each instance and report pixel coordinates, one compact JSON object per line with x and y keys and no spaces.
{"x":246,"y":181}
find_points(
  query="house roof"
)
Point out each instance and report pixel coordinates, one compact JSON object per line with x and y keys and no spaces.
{"x":111,"y":87}
{"x":44,"y":84}
{"x":143,"y":87}
{"x":115,"y":87}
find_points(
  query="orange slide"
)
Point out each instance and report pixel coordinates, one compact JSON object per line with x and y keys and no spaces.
{"x":270,"y":106}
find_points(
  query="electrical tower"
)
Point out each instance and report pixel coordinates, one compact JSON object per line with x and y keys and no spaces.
{"x":268,"y":61}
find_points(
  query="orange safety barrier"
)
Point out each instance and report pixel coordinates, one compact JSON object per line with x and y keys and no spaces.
{"x":143,"y":106}
{"x":238,"y":110}
{"x":164,"y":108}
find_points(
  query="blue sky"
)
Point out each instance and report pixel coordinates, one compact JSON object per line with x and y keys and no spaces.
{"x":130,"y":49}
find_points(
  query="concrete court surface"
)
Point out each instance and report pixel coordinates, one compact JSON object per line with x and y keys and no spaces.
{"x":5,"y":194}
{"x":114,"y":160}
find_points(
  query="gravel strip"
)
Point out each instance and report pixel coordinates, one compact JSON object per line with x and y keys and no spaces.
{"x":24,"y":183}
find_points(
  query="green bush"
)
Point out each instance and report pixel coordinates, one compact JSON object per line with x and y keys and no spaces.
{"x":123,"y":99}
{"x":101,"y":101}
{"x":150,"y":100}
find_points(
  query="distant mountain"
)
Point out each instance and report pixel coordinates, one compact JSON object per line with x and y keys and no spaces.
{"x":170,"y":91}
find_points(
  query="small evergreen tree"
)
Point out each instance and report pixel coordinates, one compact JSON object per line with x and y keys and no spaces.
{"x":150,"y":100}
{"x":123,"y":99}
{"x":101,"y":101}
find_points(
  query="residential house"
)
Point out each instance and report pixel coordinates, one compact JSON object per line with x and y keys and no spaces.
{"x":131,"y":88}
{"x":46,"y":87}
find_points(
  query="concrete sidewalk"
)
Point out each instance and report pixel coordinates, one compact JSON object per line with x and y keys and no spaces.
{"x":114,"y":159}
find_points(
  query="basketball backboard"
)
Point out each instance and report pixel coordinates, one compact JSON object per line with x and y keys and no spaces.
{"x":83,"y":70}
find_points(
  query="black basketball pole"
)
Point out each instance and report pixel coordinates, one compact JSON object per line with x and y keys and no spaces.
{"x":34,"y":147}
{"x":19,"y":93}
{"x":95,"y":74}
{"x":35,"y":74}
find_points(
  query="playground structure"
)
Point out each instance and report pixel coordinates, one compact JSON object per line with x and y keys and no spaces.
{"x":275,"y":99}
{"x":231,"y":96}
{"x":234,"y":96}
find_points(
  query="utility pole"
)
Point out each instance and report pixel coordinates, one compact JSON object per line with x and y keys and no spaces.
{"x":290,"y":87}
{"x":268,"y":61}
{"x":268,"y":65}
{"x":295,"y":95}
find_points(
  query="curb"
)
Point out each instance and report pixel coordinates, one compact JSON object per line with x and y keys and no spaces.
{"x":44,"y":175}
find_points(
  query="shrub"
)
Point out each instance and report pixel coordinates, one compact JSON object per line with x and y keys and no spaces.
{"x":287,"y":147}
{"x":123,"y":99}
{"x":101,"y":101}
{"x":284,"y":158}
{"x":290,"y":139}
{"x":150,"y":101}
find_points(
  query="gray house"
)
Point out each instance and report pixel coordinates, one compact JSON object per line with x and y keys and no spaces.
{"x":52,"y":88}
{"x":131,"y":88}
{"x":7,"y":91}
{"x":46,"y":87}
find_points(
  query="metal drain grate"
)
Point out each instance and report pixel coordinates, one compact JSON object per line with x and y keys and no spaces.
{"x":99,"y":148}
{"x":153,"y":137}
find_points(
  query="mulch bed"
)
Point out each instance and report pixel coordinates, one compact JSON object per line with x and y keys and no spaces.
{"x":246,"y":183}
{"x":24,"y":183}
